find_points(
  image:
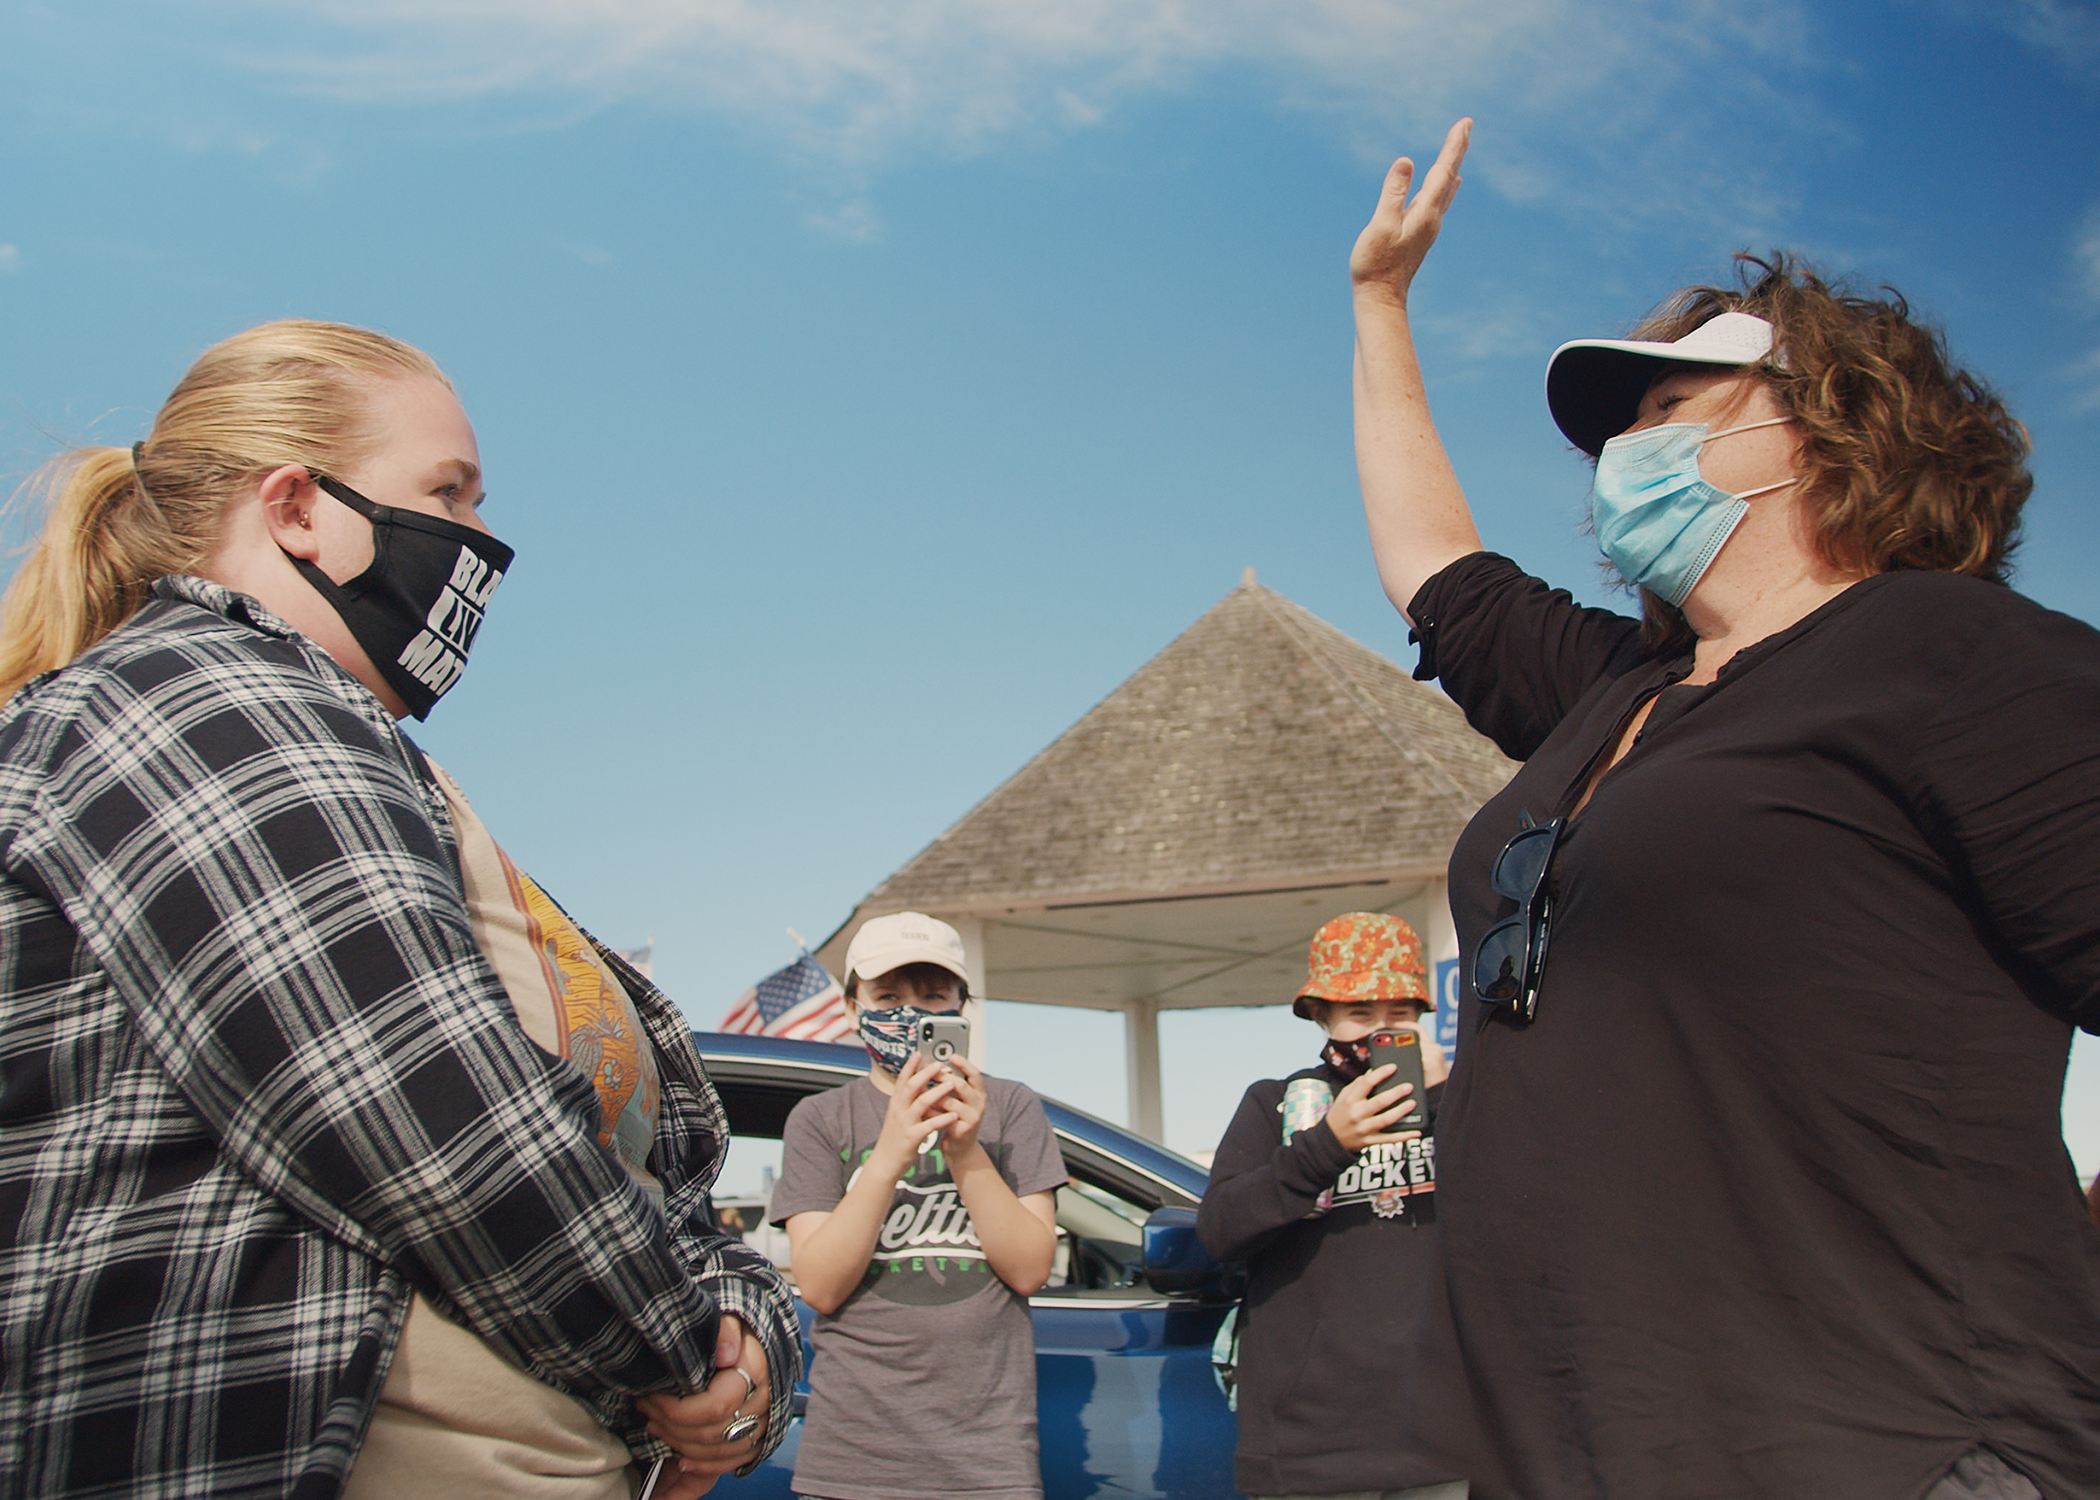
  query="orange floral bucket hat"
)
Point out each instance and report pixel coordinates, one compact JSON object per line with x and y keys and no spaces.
{"x":1364,"y":955}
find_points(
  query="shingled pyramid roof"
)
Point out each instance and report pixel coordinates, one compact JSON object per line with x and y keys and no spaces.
{"x":1261,"y":749}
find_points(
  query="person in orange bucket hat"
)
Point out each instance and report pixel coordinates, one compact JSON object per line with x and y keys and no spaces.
{"x":1331,"y":1202}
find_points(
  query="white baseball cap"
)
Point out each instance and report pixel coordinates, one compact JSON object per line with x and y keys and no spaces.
{"x":905,"y":937}
{"x":1594,"y":386}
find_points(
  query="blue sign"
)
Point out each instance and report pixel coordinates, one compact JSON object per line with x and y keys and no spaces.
{"x":1447,"y":1005}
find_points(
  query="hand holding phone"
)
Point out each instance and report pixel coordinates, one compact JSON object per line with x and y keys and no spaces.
{"x":939,"y":1038}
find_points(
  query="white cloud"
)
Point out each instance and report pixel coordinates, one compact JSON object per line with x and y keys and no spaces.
{"x":855,"y":221}
{"x":2068,"y":30}
{"x":10,"y":259}
{"x":2085,"y":257}
{"x":2065,"y":31}
{"x":1625,"y":104}
{"x":1496,"y":326}
{"x":2085,"y":382}
{"x":2085,"y":270}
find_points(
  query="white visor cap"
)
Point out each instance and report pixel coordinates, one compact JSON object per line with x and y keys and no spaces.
{"x":905,"y":937}
{"x":1594,"y":386}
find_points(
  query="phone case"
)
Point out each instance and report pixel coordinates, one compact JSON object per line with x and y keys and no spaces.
{"x":1404,"y":1050}
{"x":943,"y":1037}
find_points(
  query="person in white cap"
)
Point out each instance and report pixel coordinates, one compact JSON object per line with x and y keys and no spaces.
{"x":1751,"y":1177}
{"x":920,"y":1204}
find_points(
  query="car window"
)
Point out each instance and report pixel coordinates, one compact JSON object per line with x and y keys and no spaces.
{"x":743,"y":1193}
{"x":1100,"y":1241}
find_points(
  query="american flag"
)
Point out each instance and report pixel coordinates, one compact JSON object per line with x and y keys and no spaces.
{"x":800,"y":1001}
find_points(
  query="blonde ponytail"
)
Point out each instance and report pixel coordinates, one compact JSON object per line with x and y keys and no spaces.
{"x":290,"y":392}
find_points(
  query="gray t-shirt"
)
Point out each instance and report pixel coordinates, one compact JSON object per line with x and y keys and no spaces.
{"x":924,"y":1380}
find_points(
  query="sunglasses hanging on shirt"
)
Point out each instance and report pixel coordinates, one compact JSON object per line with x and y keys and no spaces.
{"x":1510,"y":959}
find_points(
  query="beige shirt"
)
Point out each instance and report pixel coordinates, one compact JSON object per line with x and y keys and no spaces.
{"x":455,"y":1418}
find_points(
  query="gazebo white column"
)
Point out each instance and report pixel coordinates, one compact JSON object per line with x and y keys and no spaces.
{"x":1141,"y":1064}
{"x":971,"y":931}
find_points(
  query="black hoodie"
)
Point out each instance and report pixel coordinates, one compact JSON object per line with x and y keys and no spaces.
{"x":1331,"y":1299}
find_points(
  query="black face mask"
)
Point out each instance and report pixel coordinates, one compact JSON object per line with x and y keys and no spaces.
{"x":1350,"y":1059}
{"x":417,"y":608}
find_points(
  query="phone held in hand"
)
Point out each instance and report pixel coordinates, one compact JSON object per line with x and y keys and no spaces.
{"x":942,"y":1037}
{"x":1403,"y":1049}
{"x":939,"y":1038}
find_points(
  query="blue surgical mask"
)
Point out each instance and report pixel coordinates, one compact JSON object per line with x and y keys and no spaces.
{"x":1657,"y":520}
{"x":887,"y":1034}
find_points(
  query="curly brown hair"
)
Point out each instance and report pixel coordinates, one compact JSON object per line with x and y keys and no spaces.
{"x":1909,"y":461}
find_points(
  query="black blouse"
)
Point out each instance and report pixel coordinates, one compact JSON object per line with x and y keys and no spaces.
{"x":1772,"y":1198}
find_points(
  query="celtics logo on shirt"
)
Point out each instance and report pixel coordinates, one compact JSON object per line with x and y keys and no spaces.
{"x":927,"y":1252}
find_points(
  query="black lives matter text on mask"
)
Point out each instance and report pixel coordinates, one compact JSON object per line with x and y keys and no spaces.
{"x":438,"y":654}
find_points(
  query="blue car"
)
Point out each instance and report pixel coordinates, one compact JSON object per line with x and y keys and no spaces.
{"x":1125,"y":1394}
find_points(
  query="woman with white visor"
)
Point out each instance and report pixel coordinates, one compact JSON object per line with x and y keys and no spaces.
{"x":1751,"y":1167}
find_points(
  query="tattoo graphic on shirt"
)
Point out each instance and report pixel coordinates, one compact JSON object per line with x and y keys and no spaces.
{"x":927,"y":1252}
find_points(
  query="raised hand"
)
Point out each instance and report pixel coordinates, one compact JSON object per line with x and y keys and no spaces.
{"x":1392,"y":246}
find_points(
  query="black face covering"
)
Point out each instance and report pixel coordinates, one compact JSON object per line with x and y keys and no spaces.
{"x":1350,"y":1059}
{"x":416,"y":609}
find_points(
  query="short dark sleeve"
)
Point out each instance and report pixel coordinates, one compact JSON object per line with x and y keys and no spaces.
{"x":1033,"y":1163}
{"x":1515,"y":654}
{"x":814,"y":1169}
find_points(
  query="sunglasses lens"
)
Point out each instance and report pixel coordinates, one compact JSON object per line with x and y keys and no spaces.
{"x":1522,"y":863}
{"x":1498,"y":963}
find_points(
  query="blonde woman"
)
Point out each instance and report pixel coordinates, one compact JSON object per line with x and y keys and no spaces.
{"x":295,"y":1190}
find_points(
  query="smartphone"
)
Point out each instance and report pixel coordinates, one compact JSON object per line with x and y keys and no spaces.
{"x":942,"y":1037}
{"x":1404,"y":1050}
{"x":938,"y":1039}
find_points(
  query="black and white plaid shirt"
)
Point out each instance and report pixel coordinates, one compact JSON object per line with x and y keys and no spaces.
{"x":257,"y":1083}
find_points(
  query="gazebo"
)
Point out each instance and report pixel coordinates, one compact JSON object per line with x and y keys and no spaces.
{"x":1176,"y":847}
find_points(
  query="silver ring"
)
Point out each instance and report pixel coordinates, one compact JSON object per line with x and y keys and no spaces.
{"x":750,"y":1385}
{"x":740,"y":1429}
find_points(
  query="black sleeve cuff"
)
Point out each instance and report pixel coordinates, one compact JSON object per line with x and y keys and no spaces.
{"x":1427,"y":606}
{"x":1318,"y":1157}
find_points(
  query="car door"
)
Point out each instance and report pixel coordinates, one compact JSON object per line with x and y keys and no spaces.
{"x":1126,"y":1400}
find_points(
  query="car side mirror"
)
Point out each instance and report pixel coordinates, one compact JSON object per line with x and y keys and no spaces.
{"x":1176,"y":1262}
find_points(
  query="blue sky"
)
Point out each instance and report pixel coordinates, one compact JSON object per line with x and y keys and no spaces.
{"x":869,"y":388}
